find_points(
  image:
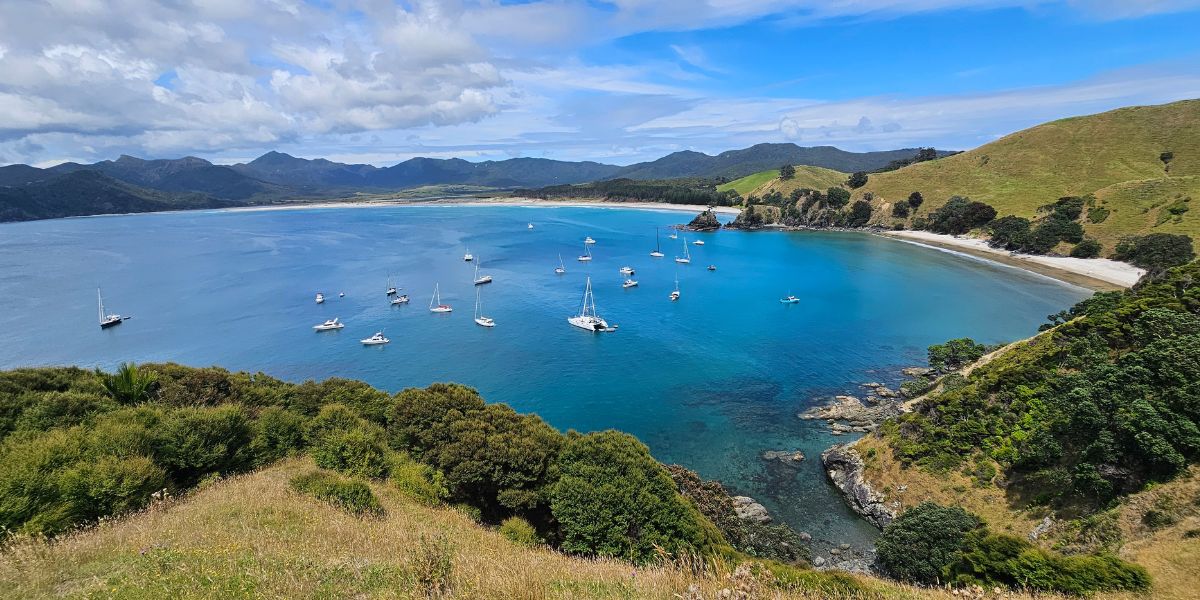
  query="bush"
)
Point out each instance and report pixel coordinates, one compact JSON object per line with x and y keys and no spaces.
{"x":1010,"y":232}
{"x":923,"y":540}
{"x":129,"y":385}
{"x":194,"y":442}
{"x":915,"y":200}
{"x":955,"y":354}
{"x":359,"y":452}
{"x":614,"y":499}
{"x":991,"y":559}
{"x":900,"y":210}
{"x":417,"y":481}
{"x":520,"y":532}
{"x":860,"y":214}
{"x":787,"y":172}
{"x":1156,"y":252}
{"x":1088,"y":248}
{"x":349,"y":495}
{"x":836,"y":197}
{"x":960,"y":215}
{"x":856,"y":180}
{"x":432,"y":564}
{"x":278,"y":432}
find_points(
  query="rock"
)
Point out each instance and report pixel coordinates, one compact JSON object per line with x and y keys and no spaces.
{"x":1041,"y":529}
{"x":886,"y":392}
{"x":835,"y":552}
{"x":845,"y":469}
{"x":819,"y":561}
{"x":787,"y":457}
{"x":852,"y":410}
{"x":747,"y":508}
{"x":916,"y":371}
{"x":845,"y":546}
{"x":872,"y":385}
{"x":705,"y":221}
{"x":805,"y":536}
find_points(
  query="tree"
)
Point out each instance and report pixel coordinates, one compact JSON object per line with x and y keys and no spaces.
{"x":925,"y":154}
{"x":614,"y":499}
{"x":860,"y":214}
{"x":129,"y":385}
{"x":955,"y":354}
{"x":1088,"y":248}
{"x":787,"y":172}
{"x":837,"y":197}
{"x":915,"y":199}
{"x":1156,"y":252}
{"x":1010,"y":232}
{"x":960,"y":215}
{"x":924,"y":540}
{"x":857,"y":180}
{"x":900,"y":210}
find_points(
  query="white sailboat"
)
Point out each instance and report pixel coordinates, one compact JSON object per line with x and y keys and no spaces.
{"x":790,"y":299}
{"x":657,"y":253}
{"x":391,"y":289}
{"x":560,"y":269}
{"x":375,"y":340}
{"x":106,"y":320}
{"x":587,"y":317}
{"x":686,"y":258}
{"x":673,"y":235}
{"x":675,"y":294}
{"x":531,"y":225}
{"x":481,"y":320}
{"x":435,"y":303}
{"x":698,"y":243}
{"x":587,"y":254}
{"x":588,"y":240}
{"x":330,"y":325}
{"x":480,"y":280}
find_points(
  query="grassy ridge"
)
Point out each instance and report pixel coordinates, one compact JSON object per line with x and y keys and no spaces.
{"x":1115,"y":155}
{"x":817,"y":178}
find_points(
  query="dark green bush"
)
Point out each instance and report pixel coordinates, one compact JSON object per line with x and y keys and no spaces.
{"x":1156,"y":252}
{"x":923,"y":540}
{"x":359,"y":451}
{"x":998,"y":559}
{"x":1010,"y":232}
{"x":194,"y":442}
{"x":955,"y":354}
{"x":960,"y":215}
{"x":1088,"y":248}
{"x":278,"y":432}
{"x":350,"y":495}
{"x":900,"y":210}
{"x":856,"y":180}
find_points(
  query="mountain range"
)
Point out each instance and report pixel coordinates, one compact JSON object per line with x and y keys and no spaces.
{"x":130,"y":184}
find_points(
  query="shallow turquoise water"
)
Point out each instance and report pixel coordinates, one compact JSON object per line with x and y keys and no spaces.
{"x":708,"y":382}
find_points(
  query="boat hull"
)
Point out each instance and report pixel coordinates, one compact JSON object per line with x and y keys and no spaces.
{"x":111,"y":323}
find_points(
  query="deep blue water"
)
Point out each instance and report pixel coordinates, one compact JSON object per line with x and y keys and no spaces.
{"x":708,"y":382}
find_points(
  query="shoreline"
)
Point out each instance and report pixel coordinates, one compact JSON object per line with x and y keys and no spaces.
{"x":1099,"y":274}
{"x":480,"y":202}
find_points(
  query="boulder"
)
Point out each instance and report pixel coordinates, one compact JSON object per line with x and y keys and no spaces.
{"x":916,"y":371}
{"x":746,"y":508}
{"x":844,"y":467}
{"x":787,"y":457}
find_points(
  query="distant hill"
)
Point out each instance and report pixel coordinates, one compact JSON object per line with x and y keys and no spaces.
{"x":764,"y":182}
{"x":1117,"y":156}
{"x":188,"y":174}
{"x":89,"y":193}
{"x":509,"y":173}
{"x":733,"y":164}
{"x":285,"y":169}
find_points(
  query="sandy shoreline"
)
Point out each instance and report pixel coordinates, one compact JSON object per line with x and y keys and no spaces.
{"x":1094,"y":273}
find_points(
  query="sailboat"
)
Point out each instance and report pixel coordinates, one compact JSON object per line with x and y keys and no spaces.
{"x":468,"y":257}
{"x":531,"y":225}
{"x":560,"y":269}
{"x":657,"y":245}
{"x":686,"y":258}
{"x":587,"y":317}
{"x":790,"y":299}
{"x":675,"y":294}
{"x":588,"y":240}
{"x":106,"y":320}
{"x":587,"y":254}
{"x":481,"y":320}
{"x":478,"y":279}
{"x":698,"y":243}
{"x":673,"y":235}
{"x":435,"y":303}
{"x":401,"y":299}
{"x":391,"y":289}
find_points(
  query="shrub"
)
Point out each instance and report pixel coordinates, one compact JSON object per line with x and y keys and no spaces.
{"x":60,"y":409}
{"x":1097,"y":214}
{"x":1156,"y":252}
{"x":857,"y":180}
{"x":1010,"y":232}
{"x":960,"y":215}
{"x":923,"y":540}
{"x":417,"y":481}
{"x":991,"y":559}
{"x":359,"y":451}
{"x":787,"y":172}
{"x":520,"y":532}
{"x":915,"y":200}
{"x":194,"y":442}
{"x":278,"y":432}
{"x":900,"y":210}
{"x":836,"y":197}
{"x":860,"y":214}
{"x":955,"y":354}
{"x":1088,"y":248}
{"x":129,"y":385}
{"x":614,"y":499}
{"x":349,"y":495}
{"x":432,"y":564}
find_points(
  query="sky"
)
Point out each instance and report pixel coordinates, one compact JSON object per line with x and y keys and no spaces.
{"x":616,"y":81}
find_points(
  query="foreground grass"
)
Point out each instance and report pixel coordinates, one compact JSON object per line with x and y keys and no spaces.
{"x":253,"y":537}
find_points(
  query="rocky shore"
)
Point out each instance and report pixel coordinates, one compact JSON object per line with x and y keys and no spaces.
{"x":845,"y":469}
{"x":705,"y":221}
{"x":849,"y":414}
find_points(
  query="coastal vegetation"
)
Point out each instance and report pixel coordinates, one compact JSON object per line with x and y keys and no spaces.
{"x":672,"y":191}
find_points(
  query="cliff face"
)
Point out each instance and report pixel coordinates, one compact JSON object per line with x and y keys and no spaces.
{"x":705,"y":221}
{"x":845,"y":469}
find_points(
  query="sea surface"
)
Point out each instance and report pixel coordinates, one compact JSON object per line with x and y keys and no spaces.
{"x":710,"y":381}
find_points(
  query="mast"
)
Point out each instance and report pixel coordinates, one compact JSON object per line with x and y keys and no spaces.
{"x":100,"y":303}
{"x":437,"y":296}
{"x":657,"y":241}
{"x":476,"y":303}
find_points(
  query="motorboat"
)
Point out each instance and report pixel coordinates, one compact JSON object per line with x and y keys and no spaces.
{"x":627,"y":271}
{"x":320,"y":298}
{"x":108,"y":320}
{"x":560,"y":269}
{"x":531,"y":226}
{"x":712,"y":267}
{"x":587,"y":318}
{"x":698,"y":243}
{"x":435,"y":303}
{"x":589,"y":240}
{"x":790,"y":299}
{"x":375,"y":340}
{"x":401,"y":299}
{"x":629,"y":283}
{"x":330,"y":325}
{"x":481,"y":320}
{"x":341,"y":294}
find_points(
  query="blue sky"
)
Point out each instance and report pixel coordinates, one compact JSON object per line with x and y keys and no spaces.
{"x":616,"y":81}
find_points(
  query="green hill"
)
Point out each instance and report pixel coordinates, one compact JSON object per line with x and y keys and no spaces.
{"x":1116,"y":155}
{"x":760,"y":183}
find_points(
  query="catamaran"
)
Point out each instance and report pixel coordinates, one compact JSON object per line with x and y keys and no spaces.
{"x":560,"y":269}
{"x":106,"y":320}
{"x":375,"y":340}
{"x":329,"y":325}
{"x":478,"y":279}
{"x":686,"y":258}
{"x":435,"y":303}
{"x":481,"y":320}
{"x":587,"y":317}
{"x":675,"y":294}
{"x":587,"y":254}
{"x":320,"y":298}
{"x":657,"y":253}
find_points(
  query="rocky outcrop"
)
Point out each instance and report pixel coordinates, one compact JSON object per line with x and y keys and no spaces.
{"x":746,"y":508}
{"x":847,"y":414}
{"x":845,"y":469}
{"x":705,"y":221}
{"x":787,"y":457}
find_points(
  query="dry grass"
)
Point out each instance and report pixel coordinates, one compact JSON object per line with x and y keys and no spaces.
{"x":758,"y":184}
{"x":251,"y":537}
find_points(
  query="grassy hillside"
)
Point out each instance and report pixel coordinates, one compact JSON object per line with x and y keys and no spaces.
{"x":817,"y":178}
{"x":1070,"y":157}
{"x":253,"y":537}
